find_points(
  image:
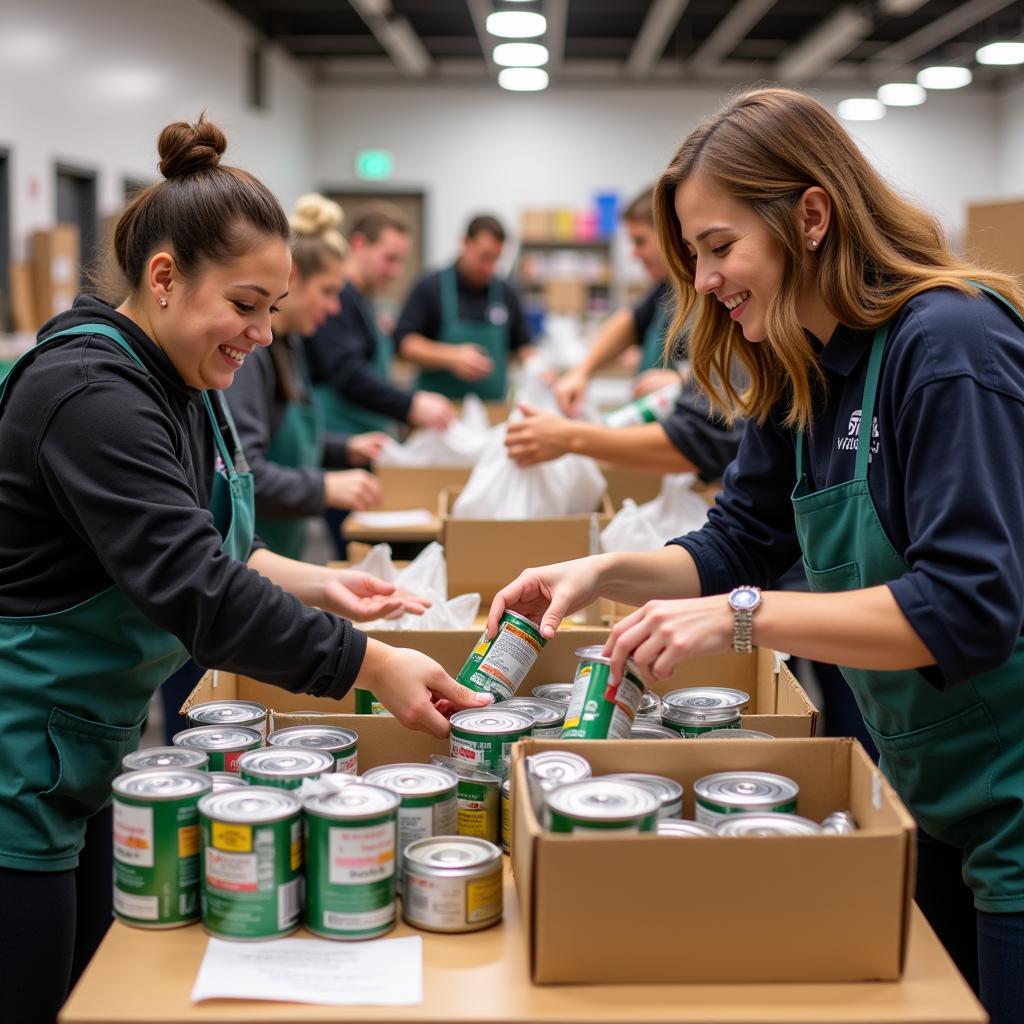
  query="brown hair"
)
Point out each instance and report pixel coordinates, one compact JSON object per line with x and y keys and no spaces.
{"x":204,"y":211}
{"x":372,"y":221}
{"x":486,"y":222}
{"x":766,"y":148}
{"x":641,"y":208}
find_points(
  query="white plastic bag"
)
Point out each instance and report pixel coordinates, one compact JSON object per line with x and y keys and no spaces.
{"x":459,"y":445}
{"x":675,"y":511}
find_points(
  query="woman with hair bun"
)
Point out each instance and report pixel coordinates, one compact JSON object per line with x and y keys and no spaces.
{"x":126,"y":544}
{"x":885,"y":446}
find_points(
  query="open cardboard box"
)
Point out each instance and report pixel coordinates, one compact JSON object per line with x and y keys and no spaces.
{"x":625,"y":909}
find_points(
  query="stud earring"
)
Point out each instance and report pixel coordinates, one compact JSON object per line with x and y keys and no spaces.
{"x":814,"y":243}
{"x":163,"y":301}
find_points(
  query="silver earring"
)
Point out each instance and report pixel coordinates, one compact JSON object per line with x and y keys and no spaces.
{"x":814,"y":243}
{"x":162,"y":301}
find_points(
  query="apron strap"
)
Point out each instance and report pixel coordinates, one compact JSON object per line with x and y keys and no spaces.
{"x":1000,"y":298}
{"x":867,"y":411}
{"x":449,"y":296}
{"x":236,"y":464}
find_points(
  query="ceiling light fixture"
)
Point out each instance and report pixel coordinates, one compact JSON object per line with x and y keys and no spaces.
{"x":1001,"y":53}
{"x":902,"y":94}
{"x":523,"y":79}
{"x":944,"y":77}
{"x":516,"y":24}
{"x":520,"y":55}
{"x":861,"y":109}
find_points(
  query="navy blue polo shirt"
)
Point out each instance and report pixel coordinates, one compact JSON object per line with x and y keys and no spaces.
{"x":946,"y":476}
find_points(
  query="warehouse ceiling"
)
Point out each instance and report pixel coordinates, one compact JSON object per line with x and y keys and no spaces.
{"x":636,"y":41}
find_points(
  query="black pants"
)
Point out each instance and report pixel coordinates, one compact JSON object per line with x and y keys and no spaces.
{"x":988,"y":949}
{"x":51,"y":923}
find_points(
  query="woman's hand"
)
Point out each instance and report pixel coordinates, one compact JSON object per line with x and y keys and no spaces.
{"x":537,"y":437}
{"x":653,"y":380}
{"x":362,"y":597}
{"x":569,"y":390}
{"x":362,"y":449}
{"x":351,"y":488}
{"x":414,"y":688}
{"x":661,"y":634}
{"x":430,"y":409}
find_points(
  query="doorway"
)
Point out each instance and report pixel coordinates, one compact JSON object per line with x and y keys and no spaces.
{"x":76,"y":204}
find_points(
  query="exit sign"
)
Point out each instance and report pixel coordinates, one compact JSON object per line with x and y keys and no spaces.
{"x":374,"y":164}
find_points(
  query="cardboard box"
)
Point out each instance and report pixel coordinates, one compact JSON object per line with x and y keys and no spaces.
{"x":23,"y":308}
{"x":56,"y":265}
{"x":993,"y":235}
{"x":628,"y":909}
{"x":566,"y":297}
{"x":624,"y":483}
{"x":418,"y":486}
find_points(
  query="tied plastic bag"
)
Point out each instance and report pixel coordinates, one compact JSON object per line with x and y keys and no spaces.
{"x":427,"y":576}
{"x":458,"y":445}
{"x":675,"y":511}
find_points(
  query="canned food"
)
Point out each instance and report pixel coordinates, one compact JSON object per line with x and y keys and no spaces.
{"x":499,"y":666}
{"x":768,"y":825}
{"x":700,"y":709}
{"x":650,"y":707}
{"x":560,"y":692}
{"x":597,"y":709}
{"x":726,"y":793}
{"x":223,"y":746}
{"x":650,"y":730}
{"x":483,"y":737}
{"x":283,"y":767}
{"x":367,"y":704}
{"x":735,"y":734}
{"x":252,"y":863}
{"x":478,"y":796}
{"x":226,"y":780}
{"x":548,"y":715}
{"x":156,"y":846}
{"x":681,"y":827}
{"x":429,"y":807}
{"x":841,"y":823}
{"x":351,"y":846}
{"x":651,"y":408}
{"x":165,"y":757}
{"x":601,"y":804}
{"x":668,"y":791}
{"x":341,"y":744}
{"x":506,"y":816}
{"x":452,"y":884}
{"x":247,"y":713}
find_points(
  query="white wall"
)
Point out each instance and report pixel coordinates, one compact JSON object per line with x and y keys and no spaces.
{"x":1010,"y":135}
{"x":92,"y":83}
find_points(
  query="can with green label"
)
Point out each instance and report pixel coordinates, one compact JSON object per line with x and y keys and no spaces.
{"x":601,"y":804}
{"x":652,"y":408}
{"x":483,"y":737}
{"x":351,"y":848}
{"x":478,"y":796}
{"x":248,"y":713}
{"x":499,"y":666}
{"x":252,"y":863}
{"x":156,"y":846}
{"x":226,"y":780}
{"x":170,"y":758}
{"x":223,"y":745}
{"x":597,"y":709}
{"x":723,"y":794}
{"x":668,"y":791}
{"x":367,"y":704}
{"x":697,"y":710}
{"x":560,"y":692}
{"x":341,"y":744}
{"x":284,"y":767}
{"x":548,"y":715}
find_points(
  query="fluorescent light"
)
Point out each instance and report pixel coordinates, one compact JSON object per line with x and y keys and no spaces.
{"x":1001,"y":53}
{"x":520,"y":55}
{"x":901,"y":94}
{"x":944,"y":78}
{"x":516,"y":24}
{"x":523,"y":79}
{"x":862,"y":109}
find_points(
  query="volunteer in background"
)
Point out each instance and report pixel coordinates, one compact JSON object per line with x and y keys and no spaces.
{"x":888,"y":386}
{"x":126,"y":542}
{"x":644,"y":325}
{"x":460,"y":324}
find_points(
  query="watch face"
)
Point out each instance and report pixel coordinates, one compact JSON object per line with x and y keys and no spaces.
{"x":745,"y":597}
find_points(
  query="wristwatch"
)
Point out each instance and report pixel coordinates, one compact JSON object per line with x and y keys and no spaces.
{"x":744,"y":601}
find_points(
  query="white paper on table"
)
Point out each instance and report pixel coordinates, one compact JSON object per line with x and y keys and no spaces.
{"x":384,"y":972}
{"x":394,"y":519}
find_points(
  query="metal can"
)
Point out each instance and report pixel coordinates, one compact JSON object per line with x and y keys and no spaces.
{"x":700,"y":709}
{"x":222,"y":746}
{"x":597,"y":709}
{"x":483,"y":737}
{"x":650,"y":707}
{"x":550,"y":769}
{"x":478,"y":796}
{"x":682,"y":828}
{"x":452,"y":884}
{"x":156,"y":846}
{"x":367,"y":704}
{"x":247,"y":713}
{"x":735,"y":734}
{"x":506,"y":816}
{"x":351,"y":847}
{"x":170,"y":758}
{"x":723,"y":794}
{"x":668,"y":791}
{"x":768,"y":825}
{"x":430,"y":805}
{"x":284,"y":768}
{"x":651,"y":408}
{"x":560,"y":692}
{"x":601,"y":804}
{"x":649,"y":730}
{"x":252,"y":863}
{"x":226,"y":780}
{"x":499,"y":666}
{"x":840,"y":823}
{"x":548,"y":715}
{"x":341,"y":744}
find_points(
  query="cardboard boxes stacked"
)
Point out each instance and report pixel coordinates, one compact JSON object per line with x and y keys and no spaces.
{"x":56,"y":268}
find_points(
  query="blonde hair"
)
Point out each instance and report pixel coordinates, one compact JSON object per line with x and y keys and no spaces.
{"x":766,"y":148}
{"x":316,"y":233}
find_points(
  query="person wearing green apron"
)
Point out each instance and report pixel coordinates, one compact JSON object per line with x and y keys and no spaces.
{"x":126,"y":545}
{"x":885,"y":450}
{"x":461,"y":324}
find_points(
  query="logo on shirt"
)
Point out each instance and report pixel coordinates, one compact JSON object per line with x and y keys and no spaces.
{"x":850,"y":443}
{"x":498,"y":315}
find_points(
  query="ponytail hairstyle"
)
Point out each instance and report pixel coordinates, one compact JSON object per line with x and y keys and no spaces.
{"x":766,"y":148}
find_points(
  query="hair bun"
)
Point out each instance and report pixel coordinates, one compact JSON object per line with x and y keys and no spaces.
{"x":188,"y":148}
{"x":315,"y":216}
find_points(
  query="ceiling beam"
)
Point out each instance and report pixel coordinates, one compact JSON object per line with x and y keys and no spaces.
{"x":657,"y":29}
{"x":396,"y":35}
{"x":835,"y":37}
{"x":729,"y":33}
{"x":557,"y":13}
{"x":479,"y":9}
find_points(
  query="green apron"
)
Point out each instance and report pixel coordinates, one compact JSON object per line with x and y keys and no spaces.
{"x":75,"y":684}
{"x":654,"y":343}
{"x":298,"y":444}
{"x":956,"y":757}
{"x":344,"y":417}
{"x":491,"y":337}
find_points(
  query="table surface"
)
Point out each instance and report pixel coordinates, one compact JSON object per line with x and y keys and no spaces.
{"x":483,"y":977}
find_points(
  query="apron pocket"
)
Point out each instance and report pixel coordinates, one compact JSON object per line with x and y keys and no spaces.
{"x":827,"y":581}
